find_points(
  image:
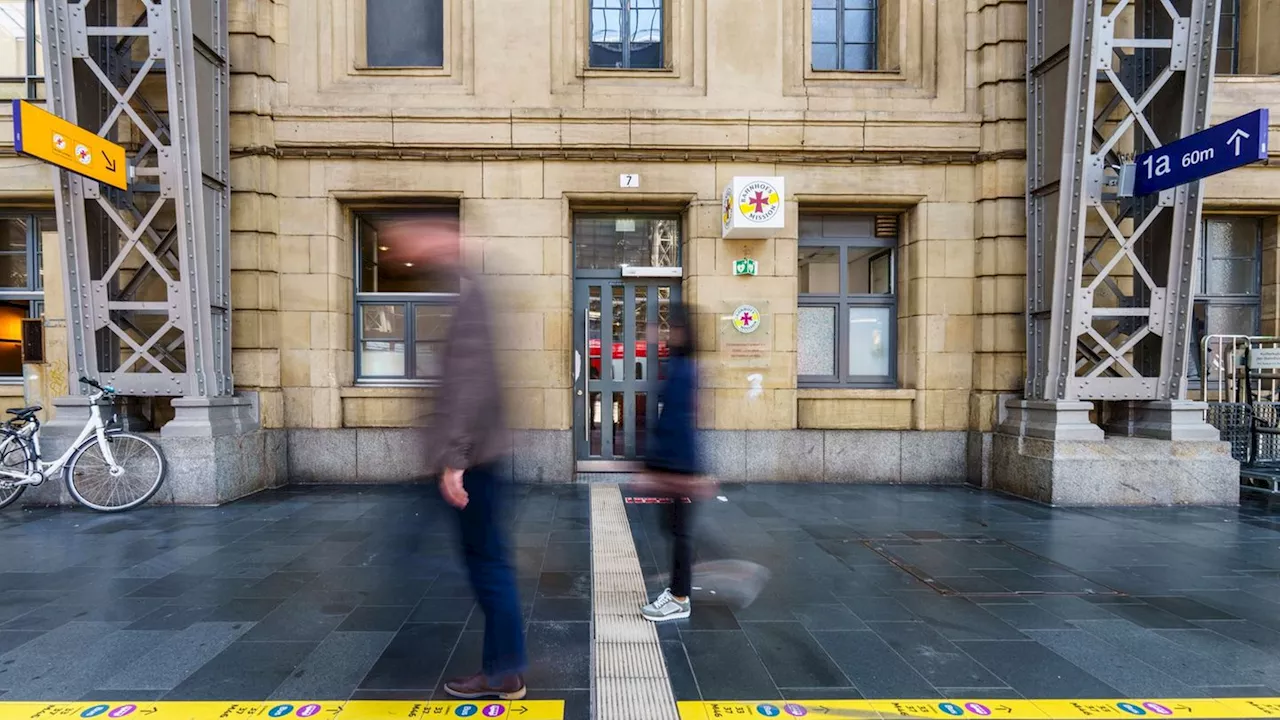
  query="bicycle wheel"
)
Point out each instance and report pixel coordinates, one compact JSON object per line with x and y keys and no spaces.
{"x":15,"y":456}
{"x":141,"y":465}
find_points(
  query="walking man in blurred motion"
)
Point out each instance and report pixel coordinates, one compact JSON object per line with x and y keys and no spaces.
{"x":469,"y":441}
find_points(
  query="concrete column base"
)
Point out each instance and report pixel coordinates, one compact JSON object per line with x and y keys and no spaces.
{"x":215,"y":449}
{"x":1163,"y":420}
{"x":1047,"y":454}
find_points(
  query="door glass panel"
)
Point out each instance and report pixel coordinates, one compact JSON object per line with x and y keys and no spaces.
{"x":595,"y":356}
{"x":642,"y":423}
{"x":619,"y":428}
{"x":618,"y":319}
{"x":594,"y":431}
{"x":868,"y":341}
{"x":382,"y":348}
{"x":640,"y":342}
{"x":664,"y":330}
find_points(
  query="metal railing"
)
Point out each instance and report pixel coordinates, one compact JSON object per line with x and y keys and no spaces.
{"x":1239,"y":380}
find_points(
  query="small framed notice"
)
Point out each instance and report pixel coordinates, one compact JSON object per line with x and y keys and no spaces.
{"x":746,"y":334}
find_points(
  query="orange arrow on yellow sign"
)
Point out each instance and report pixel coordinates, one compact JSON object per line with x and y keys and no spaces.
{"x":45,"y":136}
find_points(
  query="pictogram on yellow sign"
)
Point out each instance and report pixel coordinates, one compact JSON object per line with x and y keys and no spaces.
{"x":285,"y":710}
{"x":45,"y":136}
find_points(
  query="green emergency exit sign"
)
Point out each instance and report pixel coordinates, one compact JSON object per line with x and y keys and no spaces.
{"x":745,"y":266}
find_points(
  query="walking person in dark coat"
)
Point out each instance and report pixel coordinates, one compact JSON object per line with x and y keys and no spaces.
{"x":674,"y":465}
{"x":470,"y":444}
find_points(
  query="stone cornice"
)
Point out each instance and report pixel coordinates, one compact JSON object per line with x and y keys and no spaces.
{"x":795,"y":157}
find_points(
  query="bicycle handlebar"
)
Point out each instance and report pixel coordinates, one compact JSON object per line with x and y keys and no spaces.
{"x":94,"y":384}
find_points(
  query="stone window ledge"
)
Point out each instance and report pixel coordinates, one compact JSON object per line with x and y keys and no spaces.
{"x":855,"y":394}
{"x":375,"y":392}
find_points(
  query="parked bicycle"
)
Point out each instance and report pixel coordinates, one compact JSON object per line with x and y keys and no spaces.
{"x":106,"y":469}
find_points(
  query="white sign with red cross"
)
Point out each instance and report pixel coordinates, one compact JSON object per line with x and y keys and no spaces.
{"x":753,"y":208}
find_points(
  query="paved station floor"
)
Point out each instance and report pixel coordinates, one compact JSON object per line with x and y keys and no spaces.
{"x":299,"y":594}
{"x":343,"y":602}
{"x":933,"y":592}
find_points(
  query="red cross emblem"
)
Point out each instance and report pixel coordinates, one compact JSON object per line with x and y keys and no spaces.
{"x":760,"y":201}
{"x":746,"y":318}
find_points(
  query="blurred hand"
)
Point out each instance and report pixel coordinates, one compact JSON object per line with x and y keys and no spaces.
{"x":451,"y":488}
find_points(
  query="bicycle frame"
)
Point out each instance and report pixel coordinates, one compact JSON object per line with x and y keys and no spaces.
{"x":93,"y":426}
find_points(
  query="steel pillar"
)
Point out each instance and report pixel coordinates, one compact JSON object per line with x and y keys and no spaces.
{"x":1109,"y":279}
{"x":148,"y":273}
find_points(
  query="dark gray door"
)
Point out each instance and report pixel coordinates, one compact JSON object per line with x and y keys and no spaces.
{"x":619,"y":359}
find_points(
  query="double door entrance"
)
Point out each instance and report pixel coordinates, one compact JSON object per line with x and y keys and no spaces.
{"x":620,"y":360}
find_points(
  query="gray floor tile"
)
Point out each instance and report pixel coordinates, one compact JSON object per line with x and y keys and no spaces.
{"x":334,"y":670}
{"x":11,"y":639}
{"x":1159,"y":652}
{"x":792,"y":657}
{"x":744,"y":679}
{"x":1034,"y":670}
{"x":29,"y":662}
{"x":243,"y":670}
{"x":872,"y":666}
{"x":175,"y":660}
{"x":1026,"y":616}
{"x":933,"y":656}
{"x":85,"y":671}
{"x":1127,"y":673}
{"x":957,"y":618}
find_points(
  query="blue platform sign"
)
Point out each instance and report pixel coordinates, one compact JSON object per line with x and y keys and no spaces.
{"x":1218,"y":149}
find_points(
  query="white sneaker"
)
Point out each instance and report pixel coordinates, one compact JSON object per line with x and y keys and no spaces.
{"x":665,"y":608}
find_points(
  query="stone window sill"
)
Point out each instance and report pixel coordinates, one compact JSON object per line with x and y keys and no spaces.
{"x":373,"y":392}
{"x":855,"y":394}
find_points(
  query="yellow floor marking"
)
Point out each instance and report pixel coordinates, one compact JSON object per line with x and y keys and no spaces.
{"x":285,"y":710}
{"x":1113,"y":709}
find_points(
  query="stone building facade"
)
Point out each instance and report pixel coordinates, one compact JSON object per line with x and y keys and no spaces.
{"x":568,"y":138}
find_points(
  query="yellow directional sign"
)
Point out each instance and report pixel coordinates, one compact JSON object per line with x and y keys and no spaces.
{"x":286,"y":710}
{"x":45,"y":136}
{"x":1113,"y":709}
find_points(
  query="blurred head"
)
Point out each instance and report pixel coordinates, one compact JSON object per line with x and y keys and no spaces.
{"x":680,"y":340}
{"x":432,"y":240}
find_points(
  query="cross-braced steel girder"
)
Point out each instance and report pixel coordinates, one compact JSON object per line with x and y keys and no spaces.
{"x":148,"y":273}
{"x":1109,"y":278}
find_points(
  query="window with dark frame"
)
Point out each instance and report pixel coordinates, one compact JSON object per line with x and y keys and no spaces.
{"x":21,"y":61}
{"x":847,"y":321}
{"x":402,"y":309}
{"x":21,"y":283}
{"x":1228,"y":297}
{"x":404,"y":34}
{"x":845,"y":34}
{"x":627,"y":35}
{"x":1228,"y":61}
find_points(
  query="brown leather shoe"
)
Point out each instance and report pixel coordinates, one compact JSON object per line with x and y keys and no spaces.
{"x":478,"y":687}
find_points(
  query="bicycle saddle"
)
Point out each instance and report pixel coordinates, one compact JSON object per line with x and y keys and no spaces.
{"x":25,"y":412}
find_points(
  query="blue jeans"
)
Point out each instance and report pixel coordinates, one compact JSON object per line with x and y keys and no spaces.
{"x":493,"y":579}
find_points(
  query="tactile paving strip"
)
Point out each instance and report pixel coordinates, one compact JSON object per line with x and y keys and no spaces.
{"x":629,"y":673}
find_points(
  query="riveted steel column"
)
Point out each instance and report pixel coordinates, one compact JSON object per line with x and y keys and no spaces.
{"x":1109,"y":285}
{"x":148,"y":278}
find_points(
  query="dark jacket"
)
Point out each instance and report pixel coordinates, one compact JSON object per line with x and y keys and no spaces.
{"x":467,"y":425}
{"x":673,"y":446}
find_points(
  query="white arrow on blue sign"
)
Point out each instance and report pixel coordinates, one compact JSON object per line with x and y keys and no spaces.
{"x":1234,"y":143}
